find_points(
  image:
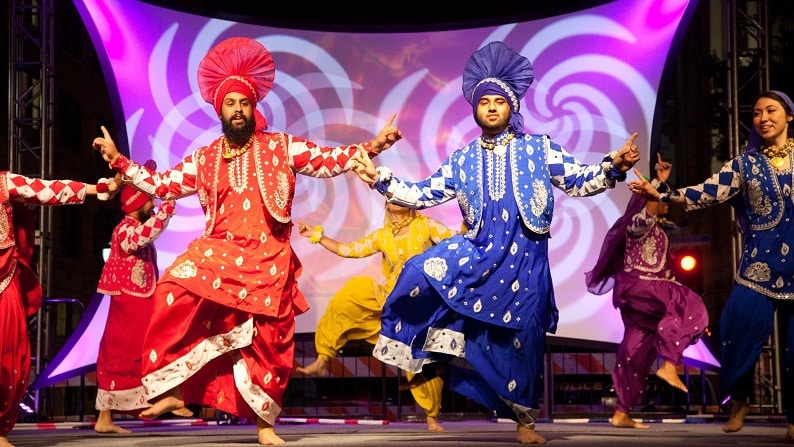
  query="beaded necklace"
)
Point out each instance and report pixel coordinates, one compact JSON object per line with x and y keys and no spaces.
{"x":499,"y":146}
{"x":777,"y":156}
{"x":398,"y":225}
{"x":229,"y":153}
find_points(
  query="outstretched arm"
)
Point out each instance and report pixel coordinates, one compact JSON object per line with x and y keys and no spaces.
{"x":316,"y":236}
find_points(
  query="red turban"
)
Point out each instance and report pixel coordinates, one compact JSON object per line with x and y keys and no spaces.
{"x":240,"y":65}
{"x":132,"y":199}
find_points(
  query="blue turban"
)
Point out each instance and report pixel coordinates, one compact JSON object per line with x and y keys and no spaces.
{"x":496,"y":69}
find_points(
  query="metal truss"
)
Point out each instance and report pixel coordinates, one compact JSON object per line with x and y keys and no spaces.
{"x":31,"y":113}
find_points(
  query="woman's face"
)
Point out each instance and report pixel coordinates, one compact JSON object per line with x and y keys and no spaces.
{"x":397,"y":210}
{"x":771,"y":121}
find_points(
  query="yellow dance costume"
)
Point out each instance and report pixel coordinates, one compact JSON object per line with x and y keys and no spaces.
{"x":353,"y":313}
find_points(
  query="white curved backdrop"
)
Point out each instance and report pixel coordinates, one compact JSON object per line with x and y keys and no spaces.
{"x":597,"y":73}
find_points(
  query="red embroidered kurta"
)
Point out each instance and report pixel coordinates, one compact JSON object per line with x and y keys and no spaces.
{"x":223,"y":321}
{"x":129,"y":277}
{"x":20,"y":291}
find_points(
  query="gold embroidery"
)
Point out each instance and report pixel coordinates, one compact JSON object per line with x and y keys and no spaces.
{"x":282,"y":190}
{"x":758,"y":201}
{"x":4,"y":226}
{"x":186,"y":269}
{"x":648,"y":251}
{"x":138,"y":273}
{"x":758,"y":271}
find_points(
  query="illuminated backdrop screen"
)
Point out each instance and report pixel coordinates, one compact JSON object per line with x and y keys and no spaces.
{"x":597,"y":73}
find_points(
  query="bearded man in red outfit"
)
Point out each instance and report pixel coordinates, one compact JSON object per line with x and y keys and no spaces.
{"x":222,"y":329}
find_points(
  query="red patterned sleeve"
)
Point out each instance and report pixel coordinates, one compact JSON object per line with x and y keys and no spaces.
{"x":176,"y":182}
{"x":310,"y":159}
{"x":45,"y":192}
{"x":134,"y":235}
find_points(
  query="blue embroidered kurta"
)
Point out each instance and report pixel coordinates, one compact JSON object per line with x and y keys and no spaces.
{"x":484,"y":300}
{"x":764,"y":281}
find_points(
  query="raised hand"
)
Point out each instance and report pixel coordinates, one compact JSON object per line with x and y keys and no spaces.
{"x":628,"y":155}
{"x":363,"y":166}
{"x":643,"y":187}
{"x":663,"y":169}
{"x":106,"y":146}
{"x":115,"y":185}
{"x":387,"y":136}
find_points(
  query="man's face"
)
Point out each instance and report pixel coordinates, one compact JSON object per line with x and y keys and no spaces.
{"x":237,"y":118}
{"x":145,"y":212}
{"x":493,"y":114}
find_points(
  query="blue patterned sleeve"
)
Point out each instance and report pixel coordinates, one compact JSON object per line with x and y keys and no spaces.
{"x":720,"y":187}
{"x":576,"y":178}
{"x":432,"y":191}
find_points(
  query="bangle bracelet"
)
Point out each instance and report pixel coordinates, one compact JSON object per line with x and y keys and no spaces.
{"x":113,"y":160}
{"x":317,"y":235}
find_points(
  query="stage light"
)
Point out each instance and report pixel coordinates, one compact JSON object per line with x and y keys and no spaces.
{"x":688,"y":267}
{"x":688,"y":263}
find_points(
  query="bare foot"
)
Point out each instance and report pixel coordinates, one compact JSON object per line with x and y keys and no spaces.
{"x":622,"y":420}
{"x":790,"y":433}
{"x":182,"y":412}
{"x":162,"y":406}
{"x":433,"y":425}
{"x":739,"y":409}
{"x":526,"y":435}
{"x":4,"y":442}
{"x":108,"y":428}
{"x":316,"y":368}
{"x":267,"y":434}
{"x":669,"y":373}
{"x":104,"y":423}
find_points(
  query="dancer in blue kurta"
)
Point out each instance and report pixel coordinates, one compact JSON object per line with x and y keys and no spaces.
{"x":481,"y":303}
{"x":759,"y":184}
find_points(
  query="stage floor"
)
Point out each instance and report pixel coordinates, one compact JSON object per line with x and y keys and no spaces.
{"x":692,"y":432}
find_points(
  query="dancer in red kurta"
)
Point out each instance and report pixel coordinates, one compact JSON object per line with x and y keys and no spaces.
{"x":129,"y":278}
{"x":222,"y":328}
{"x":20,"y":291}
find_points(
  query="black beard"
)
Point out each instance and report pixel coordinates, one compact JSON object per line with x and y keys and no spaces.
{"x":238,"y":136}
{"x":143,"y":216}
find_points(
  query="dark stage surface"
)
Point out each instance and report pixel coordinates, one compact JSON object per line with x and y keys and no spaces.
{"x":691,"y":432}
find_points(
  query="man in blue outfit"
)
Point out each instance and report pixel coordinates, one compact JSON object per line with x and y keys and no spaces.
{"x":481,"y":303}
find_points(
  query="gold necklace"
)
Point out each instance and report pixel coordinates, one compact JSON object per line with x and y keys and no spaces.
{"x":398,"y":225}
{"x":498,"y":147}
{"x":229,"y":153}
{"x":777,"y":156}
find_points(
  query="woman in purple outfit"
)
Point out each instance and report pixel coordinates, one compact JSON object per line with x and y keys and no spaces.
{"x":661,"y":316}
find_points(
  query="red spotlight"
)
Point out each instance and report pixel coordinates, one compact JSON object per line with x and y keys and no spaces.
{"x":688,"y":268}
{"x":688,"y":263}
